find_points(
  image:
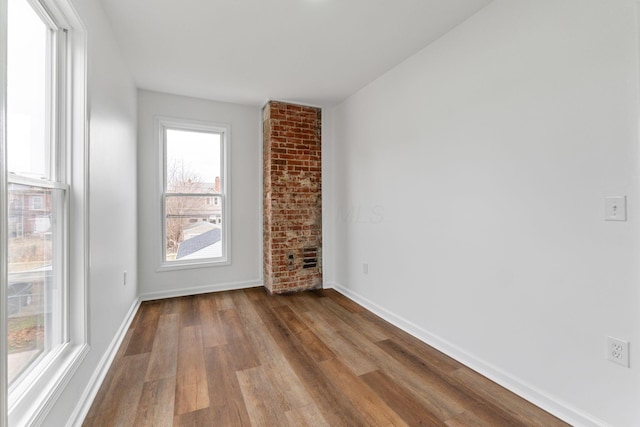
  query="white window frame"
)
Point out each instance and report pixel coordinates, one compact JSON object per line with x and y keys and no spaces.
{"x":162,"y":124}
{"x":4,"y":211}
{"x":31,"y":398}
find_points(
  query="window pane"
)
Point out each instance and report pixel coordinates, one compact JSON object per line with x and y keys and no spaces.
{"x":193,"y":162}
{"x":27,"y":91}
{"x":34,"y":292}
{"x":193,"y":227}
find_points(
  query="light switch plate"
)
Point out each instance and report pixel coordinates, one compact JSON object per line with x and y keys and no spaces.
{"x":615,"y":208}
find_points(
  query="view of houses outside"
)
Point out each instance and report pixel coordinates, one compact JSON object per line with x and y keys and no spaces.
{"x":30,"y":250}
{"x":193,"y":202}
{"x":36,"y":192}
{"x":191,"y":221}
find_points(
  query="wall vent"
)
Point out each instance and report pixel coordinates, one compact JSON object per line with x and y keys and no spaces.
{"x":310,"y":257}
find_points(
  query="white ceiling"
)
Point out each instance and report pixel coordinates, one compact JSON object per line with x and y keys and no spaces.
{"x":247,"y":51}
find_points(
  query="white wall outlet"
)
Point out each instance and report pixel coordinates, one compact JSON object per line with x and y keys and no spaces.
{"x":618,"y":351}
{"x":615,"y":208}
{"x":365,"y":268}
{"x":125,"y":278}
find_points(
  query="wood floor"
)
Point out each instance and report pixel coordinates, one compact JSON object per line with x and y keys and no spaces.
{"x":245,"y":358}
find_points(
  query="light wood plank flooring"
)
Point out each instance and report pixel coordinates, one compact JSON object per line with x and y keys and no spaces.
{"x":245,"y":358}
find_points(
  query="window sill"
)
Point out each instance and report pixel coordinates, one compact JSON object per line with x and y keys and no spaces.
{"x":44,"y":387}
{"x":185,"y":265}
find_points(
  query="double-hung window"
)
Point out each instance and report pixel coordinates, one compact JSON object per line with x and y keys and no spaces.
{"x":195,"y":203}
{"x":37,"y":188}
{"x":41,"y":253}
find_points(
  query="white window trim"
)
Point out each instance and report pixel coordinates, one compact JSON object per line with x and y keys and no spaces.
{"x":30,"y":405}
{"x":3,"y":213}
{"x":161,"y":124}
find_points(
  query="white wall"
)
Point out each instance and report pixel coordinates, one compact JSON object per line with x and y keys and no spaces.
{"x":246,"y":166}
{"x":112,"y":204}
{"x":471,"y":178}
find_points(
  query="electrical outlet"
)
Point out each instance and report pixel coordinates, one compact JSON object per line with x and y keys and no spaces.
{"x":125,"y":278}
{"x":365,"y":268}
{"x":618,"y":351}
{"x":615,"y":208}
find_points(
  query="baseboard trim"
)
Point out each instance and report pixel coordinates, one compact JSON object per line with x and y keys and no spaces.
{"x":534,"y":395}
{"x":332,"y":285}
{"x":91,"y":390}
{"x":172,"y":293}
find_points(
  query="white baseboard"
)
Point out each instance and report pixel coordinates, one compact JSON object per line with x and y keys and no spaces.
{"x":332,"y":285}
{"x":84,"y":404}
{"x":200,"y":290}
{"x":538,"y":397}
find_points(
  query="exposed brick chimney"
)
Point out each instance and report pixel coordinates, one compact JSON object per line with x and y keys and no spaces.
{"x":292,"y":197}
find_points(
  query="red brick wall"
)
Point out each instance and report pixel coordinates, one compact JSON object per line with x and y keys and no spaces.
{"x":292,"y":197}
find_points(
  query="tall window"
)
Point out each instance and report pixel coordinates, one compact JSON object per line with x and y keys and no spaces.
{"x":37,"y":189}
{"x":194,"y":200}
{"x":43,"y":255}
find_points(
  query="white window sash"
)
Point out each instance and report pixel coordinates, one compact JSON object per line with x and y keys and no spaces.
{"x":162,"y":124}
